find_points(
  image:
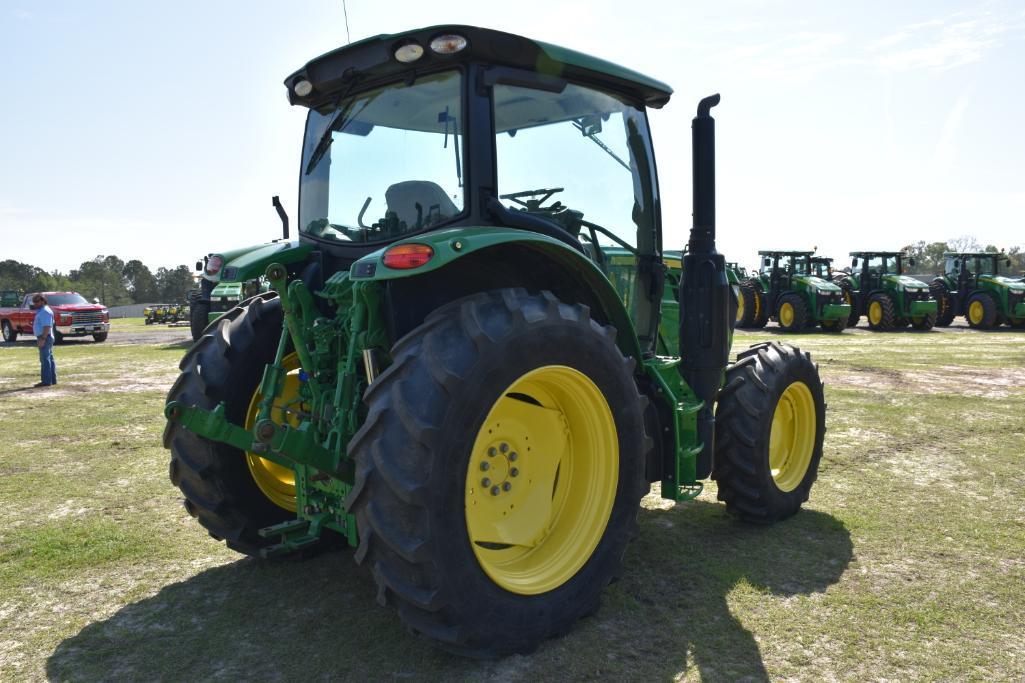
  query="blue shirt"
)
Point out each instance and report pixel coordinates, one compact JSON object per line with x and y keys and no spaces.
{"x":44,"y":318}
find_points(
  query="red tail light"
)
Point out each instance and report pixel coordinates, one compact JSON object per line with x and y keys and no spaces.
{"x":406,"y":256}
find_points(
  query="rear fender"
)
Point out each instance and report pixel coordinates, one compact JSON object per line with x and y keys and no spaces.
{"x":469,"y":260}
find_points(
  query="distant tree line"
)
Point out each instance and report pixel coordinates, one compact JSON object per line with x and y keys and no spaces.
{"x":107,"y":278}
{"x":929,"y":255}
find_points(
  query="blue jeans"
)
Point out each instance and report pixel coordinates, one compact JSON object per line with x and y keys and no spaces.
{"x":47,"y":365}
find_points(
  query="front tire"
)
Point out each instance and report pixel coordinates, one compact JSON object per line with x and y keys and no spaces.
{"x":925,"y":322}
{"x":944,"y":301}
{"x":747,"y":305}
{"x":219,"y":488}
{"x":792,"y":314}
{"x":488,"y":569}
{"x":770,"y":423}
{"x":100,"y":337}
{"x":880,"y":312}
{"x":199,"y":318}
{"x":981,"y":311}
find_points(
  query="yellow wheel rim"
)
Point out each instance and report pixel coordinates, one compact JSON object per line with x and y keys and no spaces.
{"x":875,"y":312}
{"x":792,"y":438}
{"x":786,"y":314}
{"x":740,"y":307}
{"x":277,"y":482}
{"x":542,"y":480}
{"x":976,"y":312}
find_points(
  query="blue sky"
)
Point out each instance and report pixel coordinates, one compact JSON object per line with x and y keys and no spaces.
{"x":160,"y":132}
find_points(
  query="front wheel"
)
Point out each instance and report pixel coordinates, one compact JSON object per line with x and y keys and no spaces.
{"x":981,"y":311}
{"x":199,"y":318}
{"x":499,"y":471}
{"x":792,"y":314}
{"x":770,"y":422}
{"x":881,"y":316}
{"x":100,"y":337}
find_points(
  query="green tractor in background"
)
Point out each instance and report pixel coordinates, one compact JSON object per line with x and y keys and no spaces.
{"x":788,"y":290}
{"x":877,"y":288}
{"x":973,"y":287}
{"x":822,"y":267}
{"x":458,"y":374}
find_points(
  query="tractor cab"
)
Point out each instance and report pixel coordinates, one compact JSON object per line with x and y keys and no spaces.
{"x":873,"y":267}
{"x":821,"y":267}
{"x":780,"y":267}
{"x":966,"y":268}
{"x":420,"y":133}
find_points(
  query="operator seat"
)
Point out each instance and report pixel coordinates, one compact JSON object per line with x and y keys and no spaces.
{"x":435,"y":205}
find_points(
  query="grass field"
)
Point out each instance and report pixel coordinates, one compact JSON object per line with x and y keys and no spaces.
{"x":907,"y":564}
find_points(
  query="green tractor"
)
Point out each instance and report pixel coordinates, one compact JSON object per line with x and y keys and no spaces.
{"x":458,"y":374}
{"x":972,"y":286}
{"x":229,"y":277}
{"x":877,"y":288}
{"x":788,"y":290}
{"x":822,"y":267}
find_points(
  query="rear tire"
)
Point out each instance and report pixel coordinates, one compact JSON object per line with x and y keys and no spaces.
{"x":199,"y":318}
{"x":981,"y":311}
{"x":792,"y":314}
{"x":847,"y":292}
{"x":748,"y":307}
{"x":219,"y":489}
{"x":412,"y":499}
{"x":9,"y":333}
{"x":769,"y":383}
{"x":880,"y":312}
{"x":944,"y":302}
{"x":761,"y":307}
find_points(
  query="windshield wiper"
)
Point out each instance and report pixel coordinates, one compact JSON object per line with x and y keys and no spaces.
{"x":338,"y":124}
{"x":579,"y":125}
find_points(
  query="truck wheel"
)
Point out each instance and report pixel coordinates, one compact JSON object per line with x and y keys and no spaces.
{"x":219,"y":485}
{"x":769,"y":425}
{"x":58,"y":338}
{"x":880,"y":312}
{"x":924,"y":322}
{"x":981,"y":311}
{"x":10,"y":335}
{"x":792,"y":314}
{"x":747,"y":305}
{"x":100,"y":337}
{"x":944,"y":303}
{"x":499,"y":471}
{"x":199,"y":318}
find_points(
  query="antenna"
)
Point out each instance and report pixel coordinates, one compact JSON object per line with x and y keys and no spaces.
{"x":345,"y":11}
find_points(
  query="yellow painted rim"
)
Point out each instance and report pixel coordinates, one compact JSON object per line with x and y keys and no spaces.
{"x":740,"y":306}
{"x":541,"y":480}
{"x":792,"y":438}
{"x":976,"y":312}
{"x":275,"y":481}
{"x":786,"y":314}
{"x":875,"y":312}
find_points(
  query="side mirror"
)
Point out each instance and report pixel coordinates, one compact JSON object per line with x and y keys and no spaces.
{"x":199,"y":265}
{"x":767,"y":262}
{"x":854,"y":263}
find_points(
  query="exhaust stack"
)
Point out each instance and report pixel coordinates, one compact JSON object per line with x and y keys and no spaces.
{"x":276,"y":203}
{"x":705,"y":292}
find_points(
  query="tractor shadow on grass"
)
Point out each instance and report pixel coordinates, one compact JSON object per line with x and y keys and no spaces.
{"x":317,"y":619}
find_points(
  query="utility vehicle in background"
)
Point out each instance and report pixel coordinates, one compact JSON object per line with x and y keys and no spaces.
{"x":457,"y":369}
{"x":972,"y":286}
{"x":787,"y":290}
{"x":877,"y":288}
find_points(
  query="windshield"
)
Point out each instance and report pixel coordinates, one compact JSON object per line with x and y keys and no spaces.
{"x":65,"y":299}
{"x":384,"y":163}
{"x":578,"y":154}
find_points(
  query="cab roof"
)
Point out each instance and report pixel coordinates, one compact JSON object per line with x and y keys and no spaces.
{"x":785,"y":253}
{"x":373,"y":60}
{"x":877,"y":253}
{"x":972,"y":254}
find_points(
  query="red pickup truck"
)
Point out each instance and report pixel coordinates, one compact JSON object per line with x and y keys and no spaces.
{"x":73,"y":317}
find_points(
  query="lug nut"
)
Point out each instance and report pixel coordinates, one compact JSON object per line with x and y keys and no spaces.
{"x":513,"y":456}
{"x":504,"y":447}
{"x":506,"y":486}
{"x":494,"y":490}
{"x":492,"y":452}
{"x":484,"y":466}
{"x":513,"y":472}
{"x":485,"y":482}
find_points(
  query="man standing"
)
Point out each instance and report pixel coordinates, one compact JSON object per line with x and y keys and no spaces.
{"x":42,"y":327}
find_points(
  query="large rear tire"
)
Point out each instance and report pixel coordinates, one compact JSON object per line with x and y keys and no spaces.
{"x":219,"y":487}
{"x":199,"y":318}
{"x":770,"y":423}
{"x":944,"y":302}
{"x":880,"y":312}
{"x":747,"y":305}
{"x":981,"y":311}
{"x":494,"y":567}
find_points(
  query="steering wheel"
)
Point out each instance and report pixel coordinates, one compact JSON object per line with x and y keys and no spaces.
{"x":531,"y":204}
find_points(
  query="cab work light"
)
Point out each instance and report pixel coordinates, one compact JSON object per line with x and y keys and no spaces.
{"x":406,"y":256}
